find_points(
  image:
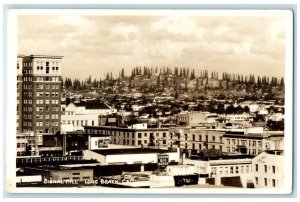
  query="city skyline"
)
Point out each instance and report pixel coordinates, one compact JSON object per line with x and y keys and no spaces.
{"x":119,"y":99}
{"x":95,"y":45}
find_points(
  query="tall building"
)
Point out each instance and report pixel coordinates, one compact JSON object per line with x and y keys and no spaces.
{"x":39,"y":94}
{"x":19,"y":93}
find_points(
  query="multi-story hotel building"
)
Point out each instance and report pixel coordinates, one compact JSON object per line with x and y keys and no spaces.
{"x":252,"y":141}
{"x":139,"y":136}
{"x":19,"y":92}
{"x":39,"y":94}
{"x":195,"y":139}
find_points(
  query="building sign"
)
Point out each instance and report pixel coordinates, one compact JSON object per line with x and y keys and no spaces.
{"x":162,"y":160}
{"x":181,"y":180}
{"x":111,"y":120}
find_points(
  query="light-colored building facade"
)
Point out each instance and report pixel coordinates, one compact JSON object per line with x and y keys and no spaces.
{"x":195,"y":118}
{"x":223,"y":168}
{"x":129,"y":156}
{"x":92,"y":107}
{"x":195,"y":139}
{"x":85,"y":113}
{"x":268,"y":169}
{"x":252,"y":141}
{"x":78,"y":121}
{"x":139,"y":137}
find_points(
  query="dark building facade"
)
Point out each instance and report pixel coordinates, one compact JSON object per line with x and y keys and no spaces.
{"x":19,"y":93}
{"x":39,"y":94}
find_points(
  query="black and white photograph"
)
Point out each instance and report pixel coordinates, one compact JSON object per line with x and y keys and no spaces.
{"x":159,"y":101}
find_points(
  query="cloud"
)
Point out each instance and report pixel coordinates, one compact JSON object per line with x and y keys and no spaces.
{"x":93,"y":45}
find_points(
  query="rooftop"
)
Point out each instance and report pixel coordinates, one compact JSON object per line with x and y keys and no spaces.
{"x":106,"y":152}
{"x":92,"y":105}
{"x":46,"y":56}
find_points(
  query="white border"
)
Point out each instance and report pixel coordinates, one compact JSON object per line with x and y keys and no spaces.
{"x":11,"y":99}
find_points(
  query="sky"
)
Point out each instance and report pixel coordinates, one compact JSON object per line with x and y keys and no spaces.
{"x":95,"y":45}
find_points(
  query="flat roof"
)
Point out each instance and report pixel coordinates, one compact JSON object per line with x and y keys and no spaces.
{"x":47,"y":56}
{"x":109,"y":128}
{"x":246,"y":136}
{"x":125,"y":151}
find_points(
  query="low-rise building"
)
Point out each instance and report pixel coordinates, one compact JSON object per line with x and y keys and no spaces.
{"x":195,"y":118}
{"x":251,"y":141}
{"x":130,"y":156}
{"x":85,"y":113}
{"x":194,"y":140}
{"x":224,"y":168}
{"x":136,"y":136}
{"x":78,"y":121}
{"x":61,"y":175}
{"x":268,"y":169}
{"x":89,"y":107}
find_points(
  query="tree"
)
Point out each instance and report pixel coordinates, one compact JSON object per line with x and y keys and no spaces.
{"x":230,"y":109}
{"x":220,"y":108}
{"x":197,"y":85}
{"x":193,"y":75}
{"x":246,"y":109}
{"x":122,"y":73}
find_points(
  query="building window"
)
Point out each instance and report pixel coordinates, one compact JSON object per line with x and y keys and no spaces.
{"x":231,"y":169}
{"x":213,"y":170}
{"x":266,"y":181}
{"x":47,"y":67}
{"x":236,"y":169}
{"x":256,"y":180}
{"x":247,"y":169}
{"x":226,"y":170}
{"x":274,"y":169}
{"x":266,"y":168}
{"x":256,"y":167}
{"x":273,"y":183}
